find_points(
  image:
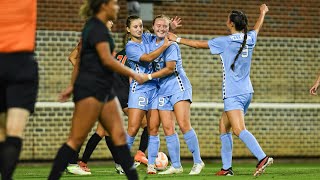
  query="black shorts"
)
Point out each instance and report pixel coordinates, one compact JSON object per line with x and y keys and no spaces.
{"x":88,"y":85}
{"x":18,"y":81}
{"x":123,"y":96}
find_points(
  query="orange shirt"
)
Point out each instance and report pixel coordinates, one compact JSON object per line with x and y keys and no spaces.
{"x":17,"y":25}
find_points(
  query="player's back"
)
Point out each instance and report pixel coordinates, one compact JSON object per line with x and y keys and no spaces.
{"x":17,"y":25}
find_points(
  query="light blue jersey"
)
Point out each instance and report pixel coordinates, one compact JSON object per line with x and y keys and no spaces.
{"x":235,"y":82}
{"x":176,"y":82}
{"x":134,"y":51}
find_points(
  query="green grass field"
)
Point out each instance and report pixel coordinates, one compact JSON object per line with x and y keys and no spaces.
{"x":243,"y":170}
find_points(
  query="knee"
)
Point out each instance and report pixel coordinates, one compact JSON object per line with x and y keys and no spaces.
{"x":153,"y":130}
{"x":168,"y":130}
{"x":133,"y":130}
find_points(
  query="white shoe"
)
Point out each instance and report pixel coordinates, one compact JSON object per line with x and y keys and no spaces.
{"x":119,"y":169}
{"x":151,"y":169}
{"x":196,"y":169}
{"x":136,"y":164}
{"x":76,"y":169}
{"x":172,"y":170}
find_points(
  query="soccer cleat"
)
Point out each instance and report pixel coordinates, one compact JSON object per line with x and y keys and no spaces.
{"x":224,"y":172}
{"x":76,"y":169}
{"x":83,"y":166}
{"x":151,"y":169}
{"x":196,"y":169}
{"x":119,"y":169}
{"x":172,"y":170}
{"x":262,"y":165}
{"x":141,"y":157}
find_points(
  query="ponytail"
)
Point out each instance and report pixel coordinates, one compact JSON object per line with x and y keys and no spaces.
{"x":241,"y":23}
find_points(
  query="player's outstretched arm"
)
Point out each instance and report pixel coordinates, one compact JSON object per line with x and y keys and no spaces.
{"x":154,"y":54}
{"x":314,"y":88}
{"x":263,"y":11}
{"x":188,"y":42}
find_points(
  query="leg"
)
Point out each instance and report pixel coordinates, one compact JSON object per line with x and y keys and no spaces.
{"x":15,"y":125}
{"x":226,"y":142}
{"x":154,"y":141}
{"x":182,"y":112}
{"x":134,"y":121}
{"x":144,"y":136}
{"x":92,"y":143}
{"x":112,"y":122}
{"x":85,"y":114}
{"x":236,"y":118}
{"x":172,"y":138}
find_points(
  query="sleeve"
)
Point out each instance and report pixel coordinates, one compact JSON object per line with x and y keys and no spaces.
{"x":134,"y":52}
{"x":147,"y":37}
{"x":217,"y":45}
{"x":171,"y":53}
{"x":98,"y":34}
{"x":253,"y":35}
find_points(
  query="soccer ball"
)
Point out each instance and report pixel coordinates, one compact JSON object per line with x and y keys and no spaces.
{"x":161,"y":161}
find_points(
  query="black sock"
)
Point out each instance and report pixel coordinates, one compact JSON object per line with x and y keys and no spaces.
{"x":111,"y":148}
{"x":74,"y":160}
{"x":126,"y":161}
{"x":63,"y":157}
{"x":144,"y":140}
{"x":10,"y":156}
{"x":91,"y":145}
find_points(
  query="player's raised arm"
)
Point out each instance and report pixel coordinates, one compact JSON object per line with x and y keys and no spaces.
{"x":189,"y":42}
{"x":263,"y":10}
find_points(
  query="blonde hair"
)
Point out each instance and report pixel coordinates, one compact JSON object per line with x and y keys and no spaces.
{"x":161,"y":16}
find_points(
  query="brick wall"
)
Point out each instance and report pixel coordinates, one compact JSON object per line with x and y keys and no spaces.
{"x":285,"y":19}
{"x":281,"y":129}
{"x":283,"y":69}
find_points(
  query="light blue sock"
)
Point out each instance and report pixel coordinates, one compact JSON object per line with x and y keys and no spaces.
{"x":153,"y":148}
{"x":226,"y":150}
{"x":193,"y":145}
{"x":173,"y":146}
{"x":252,"y":144}
{"x":130,"y":140}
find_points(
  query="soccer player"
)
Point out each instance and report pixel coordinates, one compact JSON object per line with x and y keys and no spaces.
{"x":235,"y":51}
{"x":174,"y":94}
{"x":96,"y":69}
{"x":122,"y":86}
{"x":314,"y":88}
{"x":18,"y":78}
{"x":142,"y":97}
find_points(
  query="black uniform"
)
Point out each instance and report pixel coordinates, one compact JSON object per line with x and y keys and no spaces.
{"x":122,"y":84}
{"x":94,"y":79}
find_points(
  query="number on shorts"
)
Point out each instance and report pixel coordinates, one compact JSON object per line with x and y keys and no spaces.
{"x":245,"y":52}
{"x":142,"y":101}
{"x":161,"y":101}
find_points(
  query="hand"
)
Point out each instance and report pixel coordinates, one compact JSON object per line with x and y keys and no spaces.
{"x":175,"y":23}
{"x":264,"y":8}
{"x":167,"y":42}
{"x":139,"y":78}
{"x":172,"y":37}
{"x":65,"y":94}
{"x":314,"y":88}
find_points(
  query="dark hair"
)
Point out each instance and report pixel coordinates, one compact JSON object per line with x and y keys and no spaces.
{"x":91,"y":7}
{"x":241,"y":23}
{"x":128,"y":24}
